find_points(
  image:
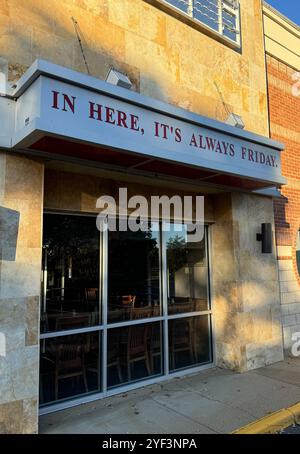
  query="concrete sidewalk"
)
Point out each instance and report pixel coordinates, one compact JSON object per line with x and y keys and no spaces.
{"x":214,"y":401}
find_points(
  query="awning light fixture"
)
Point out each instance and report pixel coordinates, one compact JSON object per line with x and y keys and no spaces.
{"x":115,"y":77}
{"x":235,"y":120}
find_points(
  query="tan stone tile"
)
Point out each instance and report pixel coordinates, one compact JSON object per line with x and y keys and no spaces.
{"x":15,"y":42}
{"x":52,"y":47}
{"x":21,"y":279}
{"x":24,"y":178}
{"x":11,"y":417}
{"x":97,"y":7}
{"x":4,"y":7}
{"x":35,"y":13}
{"x":12,"y":322}
{"x":142,"y":52}
{"x":24,"y":372}
{"x":9,"y":227}
{"x":30,"y":416}
{"x":32,"y":320}
{"x":125,"y":14}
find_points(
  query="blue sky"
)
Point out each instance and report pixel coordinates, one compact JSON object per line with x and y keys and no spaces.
{"x":290,"y":8}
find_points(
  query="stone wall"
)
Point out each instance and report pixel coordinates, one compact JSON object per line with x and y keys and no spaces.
{"x":165,"y":58}
{"x":244,"y":285}
{"x":21,"y":205}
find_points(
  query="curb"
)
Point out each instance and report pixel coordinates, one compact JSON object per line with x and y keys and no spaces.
{"x":272,"y":423}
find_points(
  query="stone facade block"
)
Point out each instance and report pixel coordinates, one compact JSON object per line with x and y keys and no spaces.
{"x":249,"y":331}
{"x":20,"y":267}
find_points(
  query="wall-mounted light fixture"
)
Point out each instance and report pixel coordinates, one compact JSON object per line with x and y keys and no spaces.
{"x":235,"y":120}
{"x":115,"y":77}
{"x":266,"y":238}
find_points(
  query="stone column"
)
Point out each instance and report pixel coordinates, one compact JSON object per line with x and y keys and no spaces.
{"x":21,"y":207}
{"x":245,"y":288}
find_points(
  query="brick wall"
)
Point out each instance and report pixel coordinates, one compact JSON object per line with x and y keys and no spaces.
{"x":285,"y":127}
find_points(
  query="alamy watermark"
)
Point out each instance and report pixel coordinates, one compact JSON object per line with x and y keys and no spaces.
{"x":2,"y":344}
{"x":296,"y":86}
{"x":296,"y":345}
{"x":137,"y":212}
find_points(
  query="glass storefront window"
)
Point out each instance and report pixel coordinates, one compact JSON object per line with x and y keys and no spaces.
{"x":187,"y":272}
{"x":152,"y":290}
{"x":133,"y":275}
{"x":70,"y":272}
{"x":69,"y":366}
{"x":134,"y":353}
{"x":189,"y":342}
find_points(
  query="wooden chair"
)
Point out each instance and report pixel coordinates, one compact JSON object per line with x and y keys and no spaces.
{"x":116,"y":315}
{"x":92,"y":354}
{"x":69,"y":364}
{"x":113,"y":352}
{"x":71,"y":321}
{"x":91,"y":294}
{"x":155,"y":344}
{"x":156,"y":312}
{"x":201,"y":304}
{"x":136,"y":348}
{"x":181,"y":307}
{"x":181,"y":340}
{"x":140,"y":312}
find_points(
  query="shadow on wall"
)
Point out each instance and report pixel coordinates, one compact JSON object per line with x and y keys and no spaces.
{"x":36,"y":32}
{"x":283,"y":228}
{"x":9,"y":228}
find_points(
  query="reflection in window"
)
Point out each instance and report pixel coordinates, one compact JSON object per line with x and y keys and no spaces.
{"x":133,"y":275}
{"x":229,"y":25}
{"x":207,"y":12}
{"x":70,"y":272}
{"x":134,"y":353}
{"x":298,"y":251}
{"x":187,"y":272}
{"x":69,"y":366}
{"x":189,"y":342}
{"x":183,"y":5}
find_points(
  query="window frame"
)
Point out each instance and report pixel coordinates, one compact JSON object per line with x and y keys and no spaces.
{"x":103,"y":327}
{"x":190,"y":20}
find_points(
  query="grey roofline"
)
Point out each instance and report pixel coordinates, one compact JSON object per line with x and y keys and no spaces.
{"x":283,"y":16}
{"x":54,"y":71}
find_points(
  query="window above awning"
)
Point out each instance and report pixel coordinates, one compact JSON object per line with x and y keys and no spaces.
{"x":66,"y":113}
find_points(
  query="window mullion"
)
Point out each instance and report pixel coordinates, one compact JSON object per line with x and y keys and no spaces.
{"x":164,"y":293}
{"x":220,"y":11}
{"x":104,"y":302}
{"x":190,"y":8}
{"x":212,"y":14}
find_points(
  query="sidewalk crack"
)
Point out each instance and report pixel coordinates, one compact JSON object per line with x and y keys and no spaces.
{"x":184,"y":415}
